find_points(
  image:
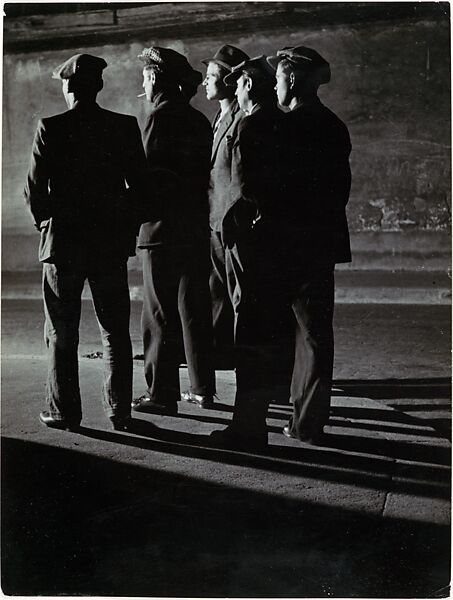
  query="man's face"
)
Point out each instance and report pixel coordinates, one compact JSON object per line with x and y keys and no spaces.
{"x":68,"y":96}
{"x":283,"y":86}
{"x":242,"y":92}
{"x":216,"y":89}
{"x":148,"y":83}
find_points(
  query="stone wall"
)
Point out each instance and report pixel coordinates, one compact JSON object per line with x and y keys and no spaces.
{"x":390,"y":84}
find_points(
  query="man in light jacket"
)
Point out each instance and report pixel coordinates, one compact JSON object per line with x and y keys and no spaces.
{"x":226,"y":281}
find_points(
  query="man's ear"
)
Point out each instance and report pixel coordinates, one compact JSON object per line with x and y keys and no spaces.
{"x":248,"y":83}
{"x":292,"y":80}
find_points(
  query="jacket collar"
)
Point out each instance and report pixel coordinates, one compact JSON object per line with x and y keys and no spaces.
{"x":85,"y":106}
{"x":311,"y":104}
{"x":165,"y":97}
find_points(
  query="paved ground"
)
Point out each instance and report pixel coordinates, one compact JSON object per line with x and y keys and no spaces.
{"x":352,"y":287}
{"x":164,"y":513}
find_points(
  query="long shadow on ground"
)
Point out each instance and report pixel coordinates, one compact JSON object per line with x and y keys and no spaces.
{"x":78,"y":524}
{"x":426,"y":387}
{"x":372,"y":472}
{"x":400,"y":394}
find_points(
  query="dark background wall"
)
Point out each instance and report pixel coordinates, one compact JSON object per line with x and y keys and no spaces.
{"x":390,"y":84}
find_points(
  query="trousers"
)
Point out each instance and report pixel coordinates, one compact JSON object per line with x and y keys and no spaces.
{"x":222,"y":307}
{"x":291,"y":325}
{"x":311,"y":383}
{"x":176,"y":304}
{"x":62,"y":291}
{"x":231,"y":293}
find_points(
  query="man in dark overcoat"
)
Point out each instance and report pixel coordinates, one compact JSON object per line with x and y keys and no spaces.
{"x":226,"y":280}
{"x":84,"y":188}
{"x":247,"y":228}
{"x":312,"y":230}
{"x":175,"y":241}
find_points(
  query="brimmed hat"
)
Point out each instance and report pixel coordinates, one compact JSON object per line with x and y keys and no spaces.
{"x":80,"y":66}
{"x":304,"y":57}
{"x":227,"y":56}
{"x":259,"y":63}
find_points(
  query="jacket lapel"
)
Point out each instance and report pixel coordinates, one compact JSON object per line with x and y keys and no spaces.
{"x":223,"y":128}
{"x":215,"y":118}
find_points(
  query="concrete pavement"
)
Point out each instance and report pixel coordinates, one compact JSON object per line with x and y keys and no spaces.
{"x":163,"y":513}
{"x":352,"y":287}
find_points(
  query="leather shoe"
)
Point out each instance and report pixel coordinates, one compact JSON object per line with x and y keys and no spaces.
{"x":64,"y":424}
{"x":199,"y":399}
{"x":315,"y":439}
{"x":146,"y":405}
{"x":232,"y":440}
{"x":287,"y":432}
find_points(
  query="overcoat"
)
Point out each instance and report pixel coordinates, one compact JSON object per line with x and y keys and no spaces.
{"x":85,"y":183}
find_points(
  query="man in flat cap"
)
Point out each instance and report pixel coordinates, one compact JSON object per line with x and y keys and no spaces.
{"x":84,"y":190}
{"x":248,"y":223}
{"x":175,"y":242}
{"x":314,"y":230}
{"x":226,"y":276}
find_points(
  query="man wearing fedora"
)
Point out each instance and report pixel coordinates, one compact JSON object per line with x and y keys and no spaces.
{"x":76,"y":190}
{"x":174,"y":242}
{"x":226,"y":281}
{"x":249,"y":220}
{"x":313,"y":229}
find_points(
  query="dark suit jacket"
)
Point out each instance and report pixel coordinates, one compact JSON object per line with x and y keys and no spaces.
{"x":177,"y":140}
{"x":255,"y":193}
{"x":76,"y":186}
{"x":220,"y":179}
{"x":317,"y":180}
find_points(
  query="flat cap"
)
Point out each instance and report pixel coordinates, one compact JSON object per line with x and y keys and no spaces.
{"x":164,"y":59}
{"x":191,"y":77}
{"x":258,"y":63}
{"x":81,"y":66}
{"x":228,"y":57}
{"x":304,"y":57}
{"x":188,"y":75}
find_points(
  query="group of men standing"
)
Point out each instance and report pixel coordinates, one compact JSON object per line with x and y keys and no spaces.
{"x":239,"y":225}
